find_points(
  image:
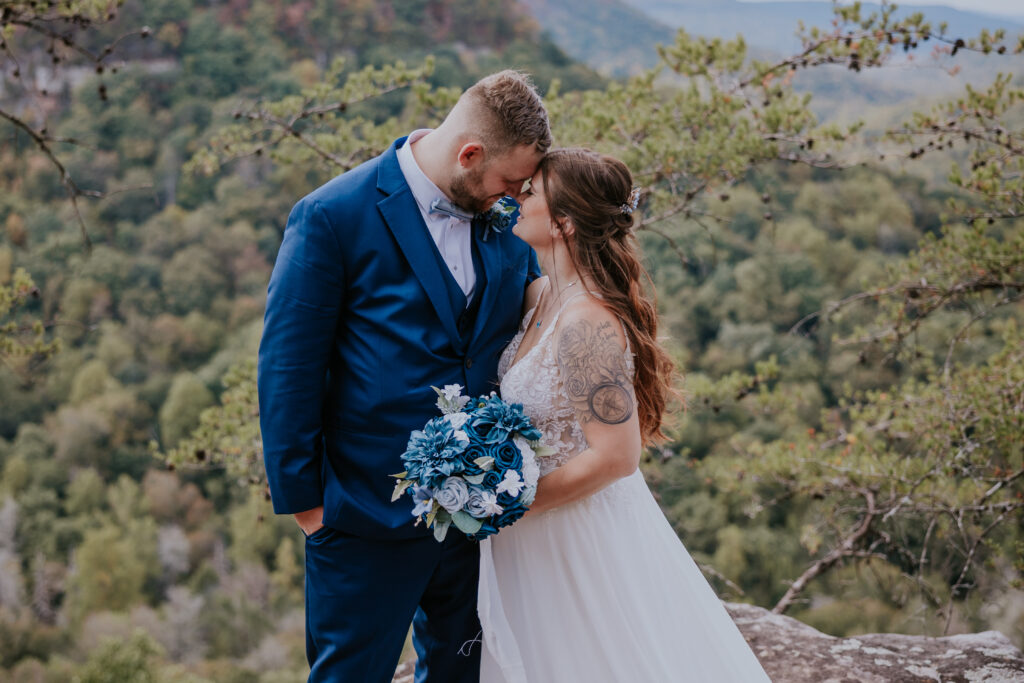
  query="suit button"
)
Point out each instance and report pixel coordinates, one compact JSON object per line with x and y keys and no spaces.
{"x":469,"y":363}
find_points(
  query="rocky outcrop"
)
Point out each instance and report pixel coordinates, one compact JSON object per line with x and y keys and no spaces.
{"x":793,"y":652}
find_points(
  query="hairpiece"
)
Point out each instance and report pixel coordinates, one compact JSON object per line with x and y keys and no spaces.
{"x":630,"y":206}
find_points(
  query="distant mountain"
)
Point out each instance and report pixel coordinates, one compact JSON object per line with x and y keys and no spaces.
{"x":608,"y":35}
{"x":773,"y":25}
{"x":618,"y":37}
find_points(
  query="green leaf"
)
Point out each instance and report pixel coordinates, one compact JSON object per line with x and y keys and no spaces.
{"x":474,"y":479}
{"x":485,"y":463}
{"x":432,"y":515}
{"x":441,"y":530}
{"x":542,"y":451}
{"x":400,"y":488}
{"x":466,"y":523}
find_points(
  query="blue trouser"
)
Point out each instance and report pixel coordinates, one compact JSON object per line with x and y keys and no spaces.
{"x":362,"y":594}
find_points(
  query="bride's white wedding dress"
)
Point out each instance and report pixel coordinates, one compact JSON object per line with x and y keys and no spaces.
{"x":599,"y":590}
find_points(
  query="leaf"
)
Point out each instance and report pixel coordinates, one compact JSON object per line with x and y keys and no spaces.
{"x":466,"y":523}
{"x":542,"y":451}
{"x":485,"y":463}
{"x":475,"y":479}
{"x":441,"y":530}
{"x":400,"y":488}
{"x":432,"y":515}
{"x":400,"y":475}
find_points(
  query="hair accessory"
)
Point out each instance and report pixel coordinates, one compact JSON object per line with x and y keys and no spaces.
{"x":630,"y":206}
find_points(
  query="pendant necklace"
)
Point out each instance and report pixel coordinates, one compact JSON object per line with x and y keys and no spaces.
{"x":560,"y":293}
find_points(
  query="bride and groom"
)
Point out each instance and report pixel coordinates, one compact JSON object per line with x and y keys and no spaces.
{"x":390,"y":280}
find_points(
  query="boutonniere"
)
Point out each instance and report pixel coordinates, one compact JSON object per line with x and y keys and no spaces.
{"x":498,"y":218}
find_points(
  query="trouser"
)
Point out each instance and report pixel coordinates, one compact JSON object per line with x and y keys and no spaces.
{"x":362,"y":594}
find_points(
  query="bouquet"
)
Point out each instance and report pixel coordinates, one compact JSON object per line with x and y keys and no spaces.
{"x":475,"y":466}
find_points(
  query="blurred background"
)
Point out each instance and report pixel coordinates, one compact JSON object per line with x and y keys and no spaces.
{"x":830,"y":216}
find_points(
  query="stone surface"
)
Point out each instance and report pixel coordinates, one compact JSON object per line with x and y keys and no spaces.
{"x":793,"y":652}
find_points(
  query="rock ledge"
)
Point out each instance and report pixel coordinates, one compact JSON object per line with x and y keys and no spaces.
{"x":793,"y":652}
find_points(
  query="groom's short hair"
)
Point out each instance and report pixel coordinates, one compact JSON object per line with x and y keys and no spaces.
{"x":508,"y":112}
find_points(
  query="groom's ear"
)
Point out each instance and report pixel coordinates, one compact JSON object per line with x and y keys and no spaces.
{"x":471,"y":154}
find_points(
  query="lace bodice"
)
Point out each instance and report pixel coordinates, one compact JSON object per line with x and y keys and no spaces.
{"x":535,"y":382}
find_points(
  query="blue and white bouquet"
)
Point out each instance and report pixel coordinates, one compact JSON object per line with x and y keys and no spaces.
{"x":475,"y":466}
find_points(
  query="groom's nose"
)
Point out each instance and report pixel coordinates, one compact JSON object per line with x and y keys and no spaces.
{"x":515,"y":190}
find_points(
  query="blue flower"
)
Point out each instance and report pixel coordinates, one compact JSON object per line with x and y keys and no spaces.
{"x":470,"y":455}
{"x":423,"y":497}
{"x":507,"y":456}
{"x":497,"y":420}
{"x":498,"y":218}
{"x":492,"y":479}
{"x":433,"y":454}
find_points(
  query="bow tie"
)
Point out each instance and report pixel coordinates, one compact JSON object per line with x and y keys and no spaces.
{"x":443,"y":206}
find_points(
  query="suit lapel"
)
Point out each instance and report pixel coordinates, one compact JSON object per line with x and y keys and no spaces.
{"x":490,"y":254}
{"x":402,"y":216}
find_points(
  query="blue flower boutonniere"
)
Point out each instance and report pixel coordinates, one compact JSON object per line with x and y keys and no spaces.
{"x":498,"y":218}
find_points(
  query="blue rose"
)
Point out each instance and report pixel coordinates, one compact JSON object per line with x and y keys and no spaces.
{"x":510,"y":515}
{"x":491,"y":480}
{"x":469,"y":457}
{"x":486,"y":530}
{"x":507,"y":456}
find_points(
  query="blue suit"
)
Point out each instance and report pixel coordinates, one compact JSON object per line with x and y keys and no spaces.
{"x":361,"y":320}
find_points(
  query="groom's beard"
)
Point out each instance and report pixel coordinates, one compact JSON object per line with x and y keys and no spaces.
{"x":464,"y":187}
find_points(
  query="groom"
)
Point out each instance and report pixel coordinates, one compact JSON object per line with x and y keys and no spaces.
{"x":386,"y":285}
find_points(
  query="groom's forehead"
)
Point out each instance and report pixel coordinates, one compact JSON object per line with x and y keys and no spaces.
{"x":521,"y":162}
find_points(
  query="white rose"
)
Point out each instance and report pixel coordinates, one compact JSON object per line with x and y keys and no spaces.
{"x":453,"y":494}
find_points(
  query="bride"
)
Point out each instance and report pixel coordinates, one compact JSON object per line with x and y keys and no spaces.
{"x":593,"y":585}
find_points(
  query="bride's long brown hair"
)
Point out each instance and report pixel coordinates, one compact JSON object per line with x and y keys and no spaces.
{"x":592,"y":191}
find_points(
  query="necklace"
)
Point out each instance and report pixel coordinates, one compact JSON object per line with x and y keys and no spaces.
{"x":560,"y":293}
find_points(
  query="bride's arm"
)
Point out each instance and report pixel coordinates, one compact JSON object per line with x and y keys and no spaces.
{"x":590,"y":347}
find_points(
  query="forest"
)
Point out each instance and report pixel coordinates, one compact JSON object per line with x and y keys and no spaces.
{"x":843,"y":303}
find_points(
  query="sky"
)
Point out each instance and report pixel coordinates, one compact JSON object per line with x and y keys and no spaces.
{"x":1013,"y":8}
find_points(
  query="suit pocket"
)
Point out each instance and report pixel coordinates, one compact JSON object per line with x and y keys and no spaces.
{"x":320,"y":534}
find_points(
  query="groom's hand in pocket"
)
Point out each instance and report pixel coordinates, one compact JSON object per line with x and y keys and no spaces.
{"x":310,"y":521}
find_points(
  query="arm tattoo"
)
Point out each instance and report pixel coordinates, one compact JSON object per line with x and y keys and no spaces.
{"x":594,"y":373}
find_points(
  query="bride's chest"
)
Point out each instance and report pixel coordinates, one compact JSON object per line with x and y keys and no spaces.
{"x":533,"y":381}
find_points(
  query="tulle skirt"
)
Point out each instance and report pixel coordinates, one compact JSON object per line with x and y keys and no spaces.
{"x":602,"y":590}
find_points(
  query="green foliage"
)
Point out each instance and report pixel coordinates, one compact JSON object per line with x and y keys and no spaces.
{"x":228,"y":434}
{"x":108,"y":575}
{"x":122,"y":662}
{"x":313,"y":126}
{"x":180,"y":412}
{"x":18,"y":339}
{"x":86,"y":494}
{"x":91,"y":380}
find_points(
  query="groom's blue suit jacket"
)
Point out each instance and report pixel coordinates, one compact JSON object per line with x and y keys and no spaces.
{"x":359,"y":325}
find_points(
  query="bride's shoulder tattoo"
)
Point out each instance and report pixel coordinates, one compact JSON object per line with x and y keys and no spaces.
{"x":594,"y":372}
